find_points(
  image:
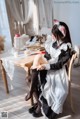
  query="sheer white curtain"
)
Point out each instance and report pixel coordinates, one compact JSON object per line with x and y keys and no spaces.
{"x":45,"y":12}
{"x":35,"y":13}
{"x":0,"y":20}
{"x":45,"y":15}
{"x":41,"y":13}
{"x":17,"y":10}
{"x":4,"y":25}
{"x":48,"y":6}
{"x":25,"y":12}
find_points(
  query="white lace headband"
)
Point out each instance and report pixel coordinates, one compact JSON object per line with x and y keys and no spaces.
{"x":60,"y":27}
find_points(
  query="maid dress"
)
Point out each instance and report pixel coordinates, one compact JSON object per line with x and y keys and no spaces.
{"x":54,"y":89}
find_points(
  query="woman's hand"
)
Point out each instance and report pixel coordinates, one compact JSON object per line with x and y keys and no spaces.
{"x":40,"y":67}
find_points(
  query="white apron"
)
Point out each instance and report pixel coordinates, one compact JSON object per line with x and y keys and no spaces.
{"x":56,"y":88}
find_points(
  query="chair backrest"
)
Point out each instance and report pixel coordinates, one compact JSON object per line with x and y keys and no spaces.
{"x":70,"y":63}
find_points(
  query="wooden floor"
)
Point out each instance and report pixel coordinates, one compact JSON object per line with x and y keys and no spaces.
{"x":17,"y":107}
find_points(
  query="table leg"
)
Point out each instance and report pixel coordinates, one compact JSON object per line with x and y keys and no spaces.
{"x":4,"y":77}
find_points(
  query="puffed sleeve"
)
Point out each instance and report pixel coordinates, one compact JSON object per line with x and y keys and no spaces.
{"x":56,"y":66}
{"x":64,"y":56}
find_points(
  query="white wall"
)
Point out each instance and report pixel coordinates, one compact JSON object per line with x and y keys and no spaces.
{"x":69,"y":12}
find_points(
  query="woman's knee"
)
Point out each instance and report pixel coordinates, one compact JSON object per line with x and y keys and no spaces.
{"x":37,"y":60}
{"x":38,"y":57}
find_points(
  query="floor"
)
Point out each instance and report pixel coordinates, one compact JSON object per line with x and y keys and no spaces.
{"x":17,"y":108}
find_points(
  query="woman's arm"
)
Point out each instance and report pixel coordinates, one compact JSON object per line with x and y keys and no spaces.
{"x":61,"y":62}
{"x":47,"y":56}
{"x":63,"y":59}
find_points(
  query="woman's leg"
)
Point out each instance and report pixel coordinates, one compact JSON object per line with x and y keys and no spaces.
{"x":38,"y":60}
{"x":35,"y":90}
{"x":37,"y":111}
{"x":36,"y":94}
{"x":36,"y":105}
{"x":43,"y":74}
{"x":34,"y":83}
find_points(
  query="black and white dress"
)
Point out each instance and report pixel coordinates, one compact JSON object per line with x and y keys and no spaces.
{"x":55,"y":87}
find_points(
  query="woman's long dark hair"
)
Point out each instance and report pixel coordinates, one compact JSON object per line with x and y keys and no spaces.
{"x":57,"y":33}
{"x":67,"y":38}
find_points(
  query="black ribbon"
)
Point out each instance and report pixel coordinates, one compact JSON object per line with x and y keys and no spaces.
{"x":54,"y":45}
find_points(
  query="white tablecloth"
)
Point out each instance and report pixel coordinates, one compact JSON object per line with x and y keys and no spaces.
{"x":9,"y":60}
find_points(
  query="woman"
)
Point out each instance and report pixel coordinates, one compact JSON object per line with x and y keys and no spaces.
{"x":53,"y":74}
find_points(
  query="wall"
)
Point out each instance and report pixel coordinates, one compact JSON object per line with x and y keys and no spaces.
{"x":69,"y":12}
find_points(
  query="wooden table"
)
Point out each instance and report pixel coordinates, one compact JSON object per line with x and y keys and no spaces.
{"x":25,"y":63}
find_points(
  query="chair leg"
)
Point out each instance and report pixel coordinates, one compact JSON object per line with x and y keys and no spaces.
{"x":72,"y":107}
{"x":71,"y":101}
